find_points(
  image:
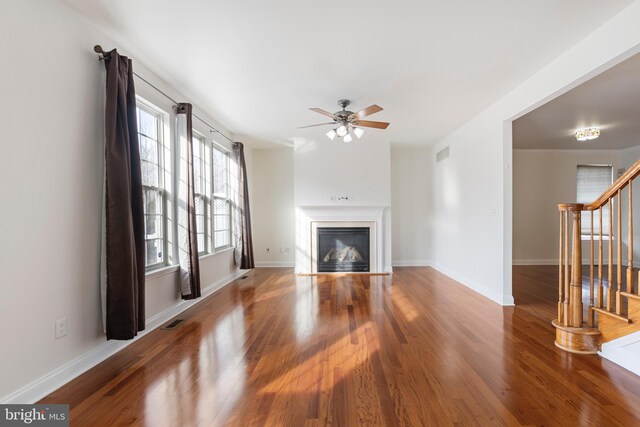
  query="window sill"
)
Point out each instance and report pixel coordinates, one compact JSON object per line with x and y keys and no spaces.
{"x":169,"y":269}
{"x":162,"y":271}
{"x":218,"y":252}
{"x":587,"y":238}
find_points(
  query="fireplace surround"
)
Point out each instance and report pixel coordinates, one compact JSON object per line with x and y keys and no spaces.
{"x":376,"y":218}
{"x":334,"y":228}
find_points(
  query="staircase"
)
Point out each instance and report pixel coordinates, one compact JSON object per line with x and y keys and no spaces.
{"x":613,"y":306}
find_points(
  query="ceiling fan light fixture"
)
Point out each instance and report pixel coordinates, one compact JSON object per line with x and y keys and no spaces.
{"x":587,"y":134}
{"x":349,"y":124}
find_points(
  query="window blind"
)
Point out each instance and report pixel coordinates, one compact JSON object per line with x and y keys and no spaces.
{"x":592,"y":181}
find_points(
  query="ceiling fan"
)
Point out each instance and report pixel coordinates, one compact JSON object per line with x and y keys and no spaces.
{"x":349,"y":123}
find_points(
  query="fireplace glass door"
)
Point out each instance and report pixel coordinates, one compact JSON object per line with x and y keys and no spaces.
{"x":343,"y":249}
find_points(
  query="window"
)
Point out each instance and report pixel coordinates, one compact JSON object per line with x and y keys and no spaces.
{"x":202,"y":189}
{"x":221,"y":202}
{"x":212,"y":195}
{"x":214,"y":189}
{"x":151,"y":162}
{"x":592,"y":181}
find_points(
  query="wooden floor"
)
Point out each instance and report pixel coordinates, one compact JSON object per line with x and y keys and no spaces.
{"x":413,"y":349}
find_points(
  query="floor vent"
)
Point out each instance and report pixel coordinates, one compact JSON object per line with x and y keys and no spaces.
{"x":173,"y":324}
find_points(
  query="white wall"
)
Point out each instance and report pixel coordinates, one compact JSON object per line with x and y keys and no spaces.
{"x":359,"y":170}
{"x":273,"y":208}
{"x":411,"y":205}
{"x":627,"y":159}
{"x":541,"y":180}
{"x":325,"y":171}
{"x":468,"y":215}
{"x":473,"y":203}
{"x":273,"y":203}
{"x":51,"y":182}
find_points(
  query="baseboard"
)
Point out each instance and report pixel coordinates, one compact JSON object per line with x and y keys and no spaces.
{"x":274,"y":264}
{"x":504,"y":300}
{"x":624,"y":351}
{"x":412,"y":263}
{"x":535,"y":261}
{"x":50,"y":382}
{"x":585,"y":261}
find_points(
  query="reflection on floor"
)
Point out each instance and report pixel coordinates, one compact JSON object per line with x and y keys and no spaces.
{"x":415,"y":348}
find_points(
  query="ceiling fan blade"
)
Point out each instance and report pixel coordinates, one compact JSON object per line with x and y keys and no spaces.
{"x":323,"y":112}
{"x":319,"y":124}
{"x":370,"y":124}
{"x":372,"y":109}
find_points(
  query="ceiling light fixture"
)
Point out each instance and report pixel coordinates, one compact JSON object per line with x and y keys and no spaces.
{"x":345,"y":131}
{"x":349,"y":124}
{"x":587,"y":134}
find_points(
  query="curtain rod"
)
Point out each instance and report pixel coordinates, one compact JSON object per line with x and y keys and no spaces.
{"x":98,"y":49}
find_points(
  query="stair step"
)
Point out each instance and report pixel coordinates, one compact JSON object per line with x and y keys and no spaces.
{"x":610,"y":314}
{"x":580,"y":340}
{"x":632,"y":296}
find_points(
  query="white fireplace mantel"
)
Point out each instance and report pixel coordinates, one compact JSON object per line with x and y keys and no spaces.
{"x":307,"y":215}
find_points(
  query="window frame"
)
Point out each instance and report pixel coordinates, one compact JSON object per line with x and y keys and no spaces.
{"x":226,"y":197}
{"x":585,"y":231}
{"x":166,"y":146}
{"x":206,"y":190}
{"x":160,"y":116}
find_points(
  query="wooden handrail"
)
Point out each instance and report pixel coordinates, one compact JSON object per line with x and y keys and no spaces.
{"x":620,"y":183}
{"x":576,"y":207}
{"x":571,"y":333}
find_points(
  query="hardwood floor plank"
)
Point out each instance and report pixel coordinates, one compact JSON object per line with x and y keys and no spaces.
{"x":410,"y":349}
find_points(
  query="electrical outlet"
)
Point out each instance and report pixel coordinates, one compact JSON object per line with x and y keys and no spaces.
{"x":61,"y":327}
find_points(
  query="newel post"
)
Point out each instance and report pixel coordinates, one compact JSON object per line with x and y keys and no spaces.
{"x":570,"y":281}
{"x":575,"y":296}
{"x":571,"y":334}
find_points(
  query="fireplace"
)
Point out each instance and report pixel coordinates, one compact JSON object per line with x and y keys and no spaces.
{"x":311,"y":219}
{"x":343,"y":249}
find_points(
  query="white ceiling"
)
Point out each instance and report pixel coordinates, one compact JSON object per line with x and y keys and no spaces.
{"x":257,"y":66}
{"x":609,"y":101}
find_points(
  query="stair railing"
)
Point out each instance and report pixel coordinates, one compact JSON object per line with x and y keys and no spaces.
{"x":606,"y":295}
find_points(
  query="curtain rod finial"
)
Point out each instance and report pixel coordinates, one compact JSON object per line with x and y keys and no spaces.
{"x":100,"y":51}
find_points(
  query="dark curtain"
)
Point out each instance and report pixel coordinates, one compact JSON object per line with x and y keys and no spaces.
{"x":187,"y":232}
{"x":246,"y":257}
{"x":125,"y":251}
